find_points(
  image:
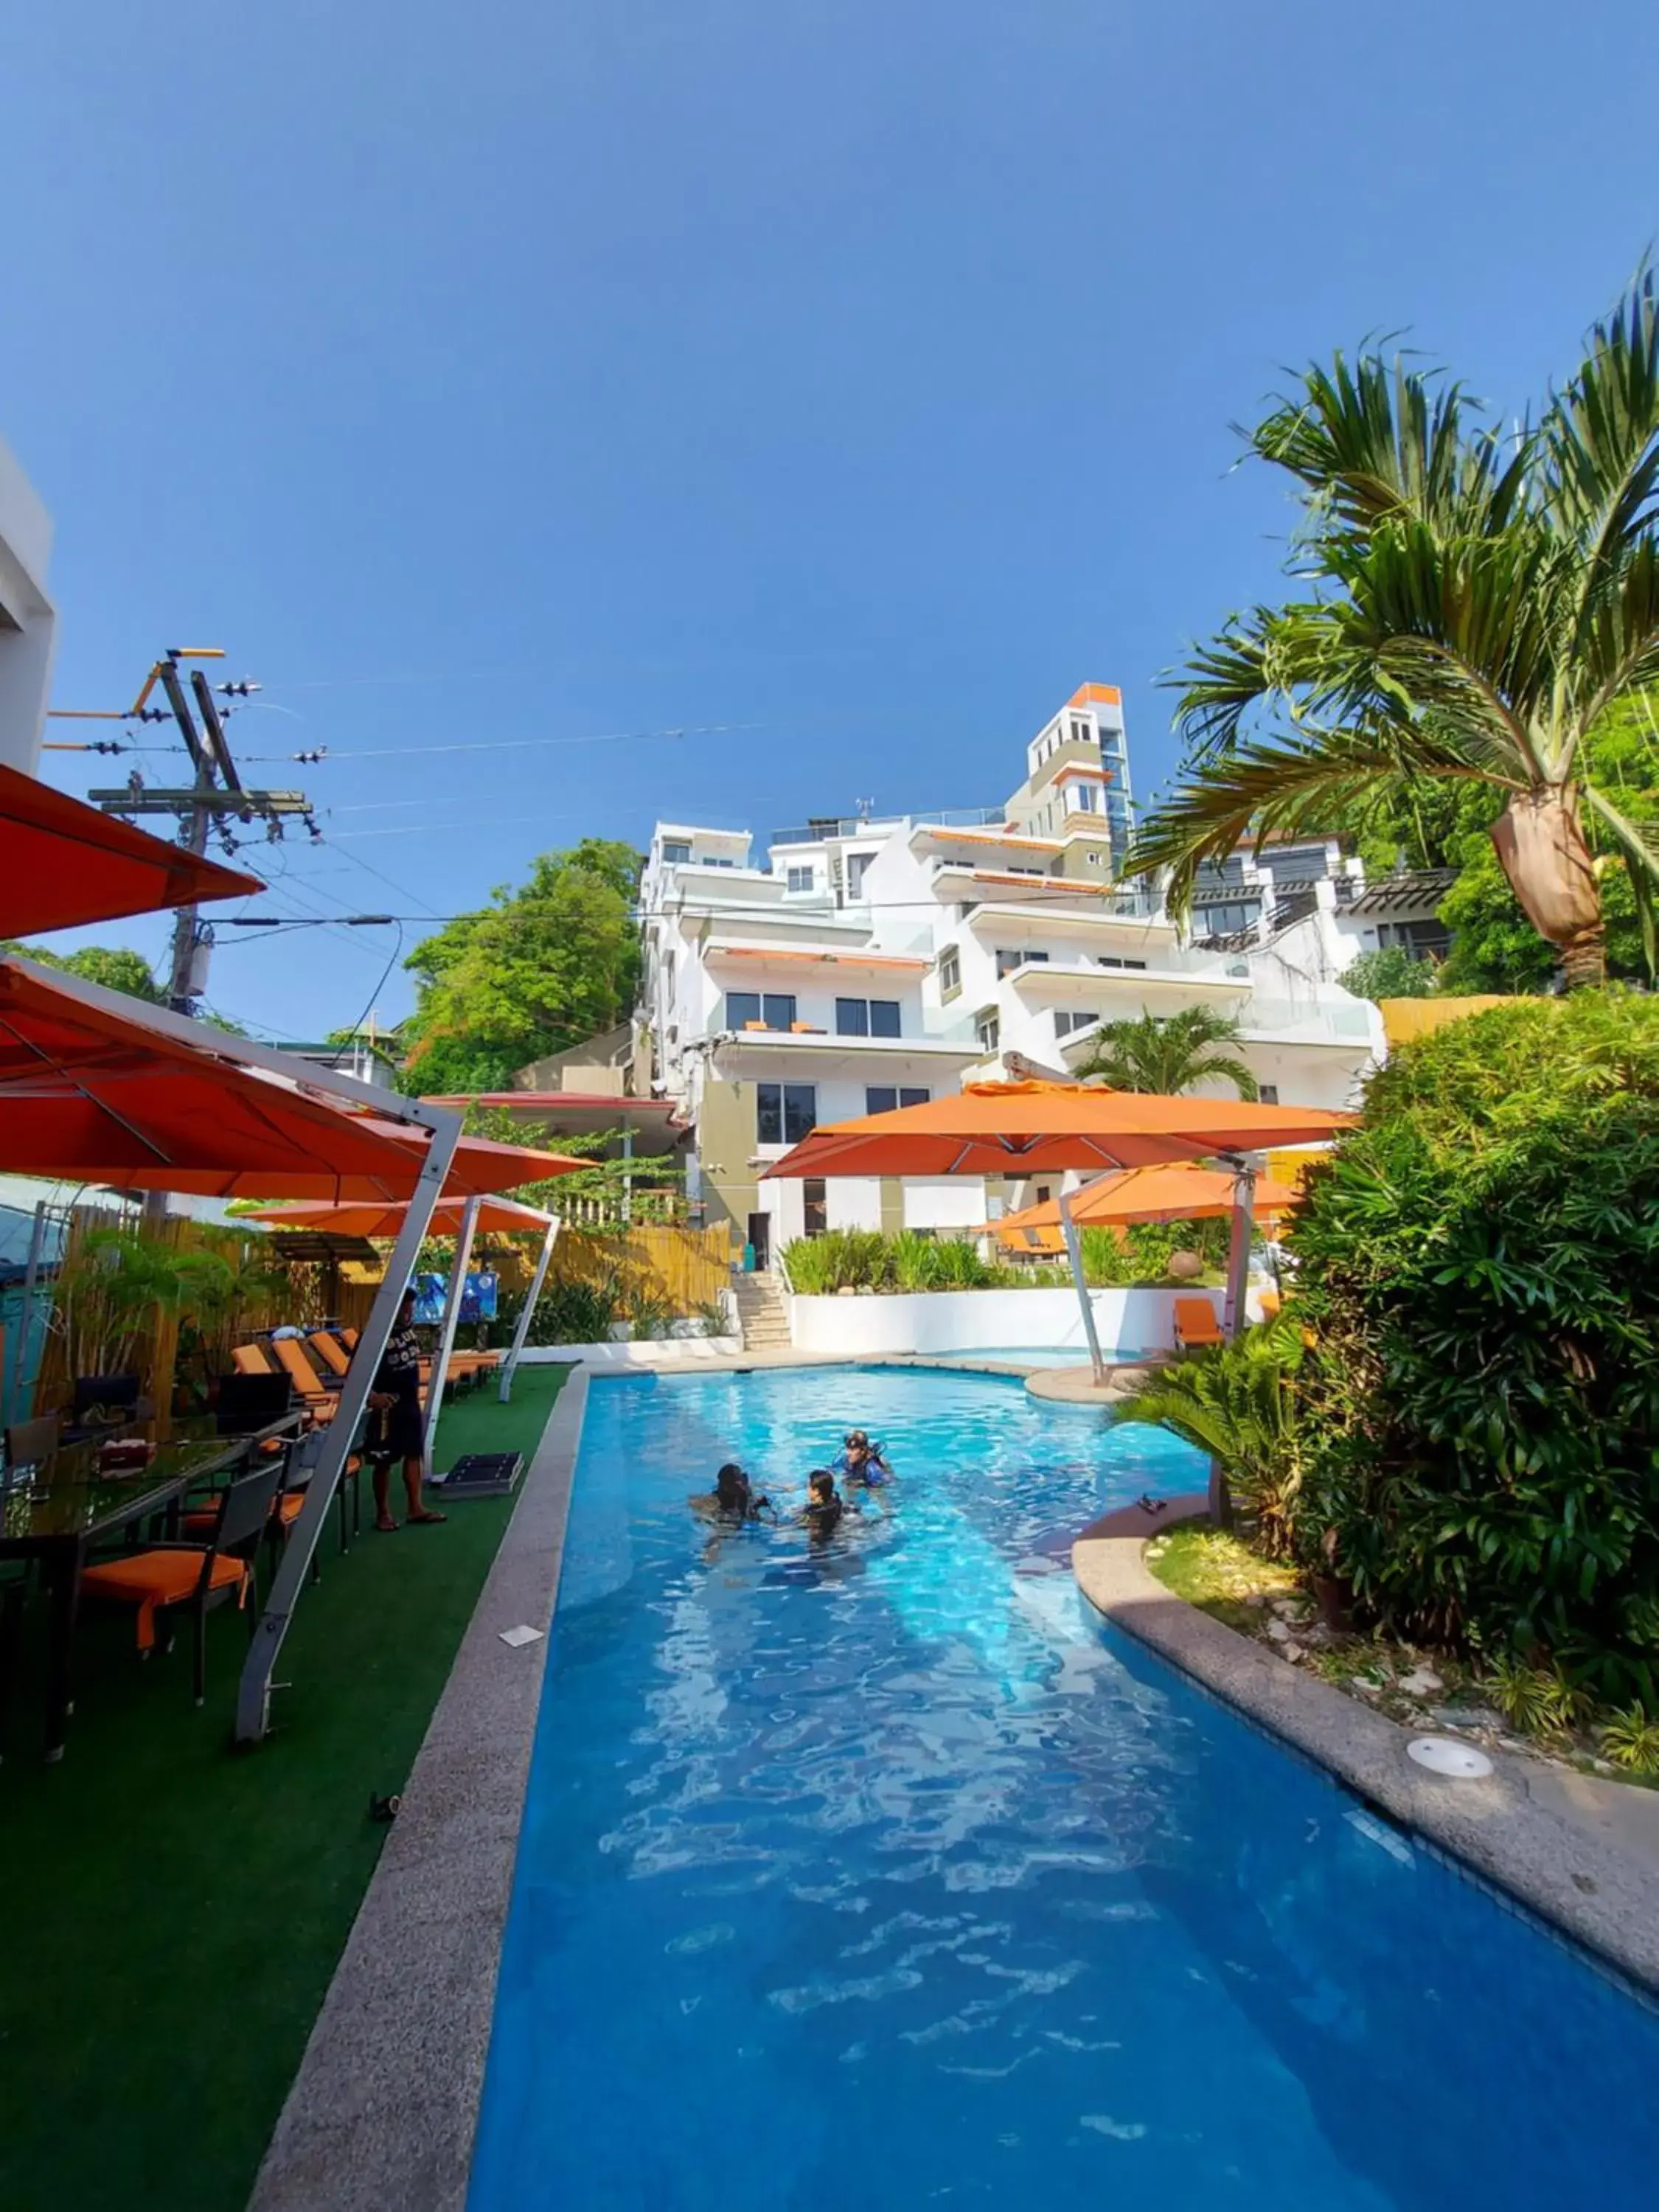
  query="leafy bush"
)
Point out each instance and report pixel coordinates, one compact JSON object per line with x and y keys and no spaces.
{"x":1390,"y":972}
{"x":1630,"y":1739}
{"x":1238,"y":1404}
{"x":1122,"y":1260}
{"x":570,"y":1310}
{"x":1480,"y":1262}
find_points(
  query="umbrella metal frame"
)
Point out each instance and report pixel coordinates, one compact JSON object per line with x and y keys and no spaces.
{"x":510,"y":1364}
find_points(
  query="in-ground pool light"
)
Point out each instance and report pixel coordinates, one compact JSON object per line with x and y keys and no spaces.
{"x":1461,"y":1762}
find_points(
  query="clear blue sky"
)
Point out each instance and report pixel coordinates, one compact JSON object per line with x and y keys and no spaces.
{"x":858,"y":371}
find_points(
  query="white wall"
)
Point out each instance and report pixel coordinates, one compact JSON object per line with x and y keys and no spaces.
{"x":26,"y":651}
{"x":945,"y":1202}
{"x":1129,"y":1322}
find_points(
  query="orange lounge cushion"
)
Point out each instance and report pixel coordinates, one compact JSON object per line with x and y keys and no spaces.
{"x":150,"y":1580}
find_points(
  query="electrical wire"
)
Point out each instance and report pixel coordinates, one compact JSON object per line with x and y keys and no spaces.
{"x":356,"y":1025}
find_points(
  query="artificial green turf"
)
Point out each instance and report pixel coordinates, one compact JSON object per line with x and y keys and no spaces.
{"x":170,"y":1912}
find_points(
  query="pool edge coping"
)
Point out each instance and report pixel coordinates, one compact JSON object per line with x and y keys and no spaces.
{"x":1561,"y":1873}
{"x":384,"y":2107}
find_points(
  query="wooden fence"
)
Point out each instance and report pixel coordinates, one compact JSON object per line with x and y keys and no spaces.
{"x":686,"y":1267}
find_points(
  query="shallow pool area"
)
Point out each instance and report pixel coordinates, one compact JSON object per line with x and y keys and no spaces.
{"x":876,"y":1874}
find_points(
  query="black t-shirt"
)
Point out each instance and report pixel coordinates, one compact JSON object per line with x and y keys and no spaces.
{"x":399,"y":1369}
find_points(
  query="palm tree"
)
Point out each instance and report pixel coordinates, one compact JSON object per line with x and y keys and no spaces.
{"x":1473,"y":601}
{"x":1169,"y":1056}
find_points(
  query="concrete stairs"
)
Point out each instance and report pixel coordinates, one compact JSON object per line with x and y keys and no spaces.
{"x":762,"y":1315}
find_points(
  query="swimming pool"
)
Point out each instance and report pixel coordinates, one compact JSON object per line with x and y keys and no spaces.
{"x":882,"y":1879}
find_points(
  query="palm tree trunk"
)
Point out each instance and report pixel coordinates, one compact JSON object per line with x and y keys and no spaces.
{"x":1541,"y":848}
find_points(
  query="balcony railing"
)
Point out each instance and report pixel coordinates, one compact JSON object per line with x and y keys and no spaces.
{"x":857,"y":825}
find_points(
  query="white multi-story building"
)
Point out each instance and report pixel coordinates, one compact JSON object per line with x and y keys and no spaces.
{"x":26,"y":621}
{"x":866,"y":963}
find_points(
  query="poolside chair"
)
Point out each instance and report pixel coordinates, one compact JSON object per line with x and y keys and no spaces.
{"x":200,"y":1575}
{"x":349,"y":1338}
{"x":28,"y":1442}
{"x":330,"y":1351}
{"x":1196,"y":1328}
{"x":249,"y":1359}
{"x":313,"y":1392}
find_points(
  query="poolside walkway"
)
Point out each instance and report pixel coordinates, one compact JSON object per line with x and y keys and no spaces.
{"x":175,"y":1912}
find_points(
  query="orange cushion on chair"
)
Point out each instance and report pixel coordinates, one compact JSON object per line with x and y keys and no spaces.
{"x":150,"y":1580}
{"x":288,"y":1507}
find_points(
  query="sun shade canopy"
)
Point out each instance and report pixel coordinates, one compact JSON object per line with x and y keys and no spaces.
{"x":497,"y":1216}
{"x":63,"y":863}
{"x":89,"y":1094}
{"x":1033,"y":1128}
{"x":1176,"y":1193}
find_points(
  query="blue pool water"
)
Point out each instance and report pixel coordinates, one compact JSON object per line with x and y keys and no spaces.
{"x":880,"y":1878}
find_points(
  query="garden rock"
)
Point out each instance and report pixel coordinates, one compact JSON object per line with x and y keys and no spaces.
{"x":1421,"y":1682}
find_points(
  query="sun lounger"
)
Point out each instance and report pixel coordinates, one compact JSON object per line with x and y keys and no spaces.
{"x":330,"y":1351}
{"x":1195,"y":1325}
{"x":249,"y":1359}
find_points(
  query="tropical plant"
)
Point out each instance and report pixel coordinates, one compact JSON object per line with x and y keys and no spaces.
{"x":1390,"y":972}
{"x":535,"y":971}
{"x":1539,"y":1701}
{"x":1472,"y":601}
{"x":1479,"y":1259}
{"x":1169,"y":1053}
{"x":113,"y":967}
{"x":1239,"y":1405}
{"x":1140,"y":1253}
{"x":1630,"y":1739}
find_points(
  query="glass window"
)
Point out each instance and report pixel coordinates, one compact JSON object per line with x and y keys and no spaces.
{"x":784,"y":1112}
{"x":856,"y":865}
{"x":851,"y":1017}
{"x":917,"y":1095}
{"x":1111,"y":960}
{"x":949,"y":972}
{"x":814,"y":1211}
{"x":775,"y":1009}
{"x":675,"y":848}
{"x":988,"y":1029}
{"x":1268,"y":1095}
{"x":883,"y":1017}
{"x":802,"y":879}
{"x":882,"y":1097}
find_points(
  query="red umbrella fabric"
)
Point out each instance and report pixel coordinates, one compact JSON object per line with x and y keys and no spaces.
{"x":63,"y":863}
{"x":497,"y":1216}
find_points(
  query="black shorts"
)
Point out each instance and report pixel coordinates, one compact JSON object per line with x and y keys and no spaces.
{"x":394,"y":1432}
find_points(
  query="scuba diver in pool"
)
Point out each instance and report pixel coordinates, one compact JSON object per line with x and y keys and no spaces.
{"x":732,"y":1500}
{"x":821,"y":1512}
{"x":862,"y":1467}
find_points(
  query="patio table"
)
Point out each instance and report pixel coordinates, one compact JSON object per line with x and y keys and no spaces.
{"x":54,"y":1509}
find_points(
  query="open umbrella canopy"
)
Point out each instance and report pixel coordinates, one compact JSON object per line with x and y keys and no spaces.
{"x":1180,"y":1192}
{"x":1034,"y":1128}
{"x":497,"y":1216}
{"x":91,"y":1093}
{"x":63,"y":863}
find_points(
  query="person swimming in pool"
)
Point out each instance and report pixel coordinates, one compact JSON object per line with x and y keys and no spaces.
{"x":823,"y":1507}
{"x":732,"y":1500}
{"x":860,"y":1464}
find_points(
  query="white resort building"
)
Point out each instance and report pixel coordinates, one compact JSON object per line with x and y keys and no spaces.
{"x":859,"y":964}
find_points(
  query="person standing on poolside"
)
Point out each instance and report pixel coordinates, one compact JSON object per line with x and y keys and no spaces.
{"x":394,"y":1428}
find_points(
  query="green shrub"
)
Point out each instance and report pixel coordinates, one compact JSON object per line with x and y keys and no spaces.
{"x":1238,"y":1405}
{"x":1390,"y":972}
{"x":841,"y":1259}
{"x":575,"y":1311}
{"x":1124,"y":1259}
{"x":1480,"y":1262}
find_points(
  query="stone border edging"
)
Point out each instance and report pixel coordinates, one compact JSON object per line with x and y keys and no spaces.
{"x":1567,"y":1876}
{"x":384,"y":2108}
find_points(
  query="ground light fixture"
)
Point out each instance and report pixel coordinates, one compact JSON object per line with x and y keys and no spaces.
{"x":1441,"y":1754}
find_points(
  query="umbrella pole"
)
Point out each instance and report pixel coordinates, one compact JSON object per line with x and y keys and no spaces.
{"x":1238,"y":1251}
{"x":326,"y":1449}
{"x":509,"y":1366}
{"x":434,"y":1394}
{"x":1074,"y":1253}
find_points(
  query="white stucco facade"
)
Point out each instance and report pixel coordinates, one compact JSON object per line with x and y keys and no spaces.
{"x":858,"y":963}
{"x":28,"y":624}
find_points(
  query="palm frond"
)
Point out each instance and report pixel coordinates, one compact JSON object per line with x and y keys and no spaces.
{"x":1641,"y":859}
{"x":1599,"y":436}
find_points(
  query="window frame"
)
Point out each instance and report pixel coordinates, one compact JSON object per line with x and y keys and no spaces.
{"x":948,"y":969}
{"x":780,"y":1107}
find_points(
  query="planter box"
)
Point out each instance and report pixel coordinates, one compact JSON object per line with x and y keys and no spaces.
{"x":1129,"y":1322}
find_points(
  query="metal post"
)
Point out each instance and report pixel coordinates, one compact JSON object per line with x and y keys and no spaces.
{"x":509,"y":1366}
{"x":434,"y":1388}
{"x":1074,"y":1253}
{"x":628,"y":1178}
{"x":1238,"y":1251}
{"x":333,"y":1444}
{"x":26,"y":1318}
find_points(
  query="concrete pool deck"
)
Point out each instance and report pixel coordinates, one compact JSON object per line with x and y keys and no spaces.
{"x":385,"y":2105}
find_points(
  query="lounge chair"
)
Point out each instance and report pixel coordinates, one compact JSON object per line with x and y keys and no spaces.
{"x":249,"y":1359}
{"x":1196,"y":1328}
{"x":200,"y":1575}
{"x":319,"y":1400}
{"x":349,"y":1338}
{"x":330,"y":1351}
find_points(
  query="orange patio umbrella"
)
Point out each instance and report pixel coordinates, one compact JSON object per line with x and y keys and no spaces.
{"x":479,"y":1167}
{"x":63,"y":863}
{"x":1037,"y":1127}
{"x":502,"y":1216}
{"x":1180,"y":1192}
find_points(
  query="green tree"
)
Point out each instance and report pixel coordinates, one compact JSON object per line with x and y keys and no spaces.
{"x":1390,"y":972}
{"x":1473,"y":603}
{"x":1169,"y":1053}
{"x":538,"y":970}
{"x":113,"y":967}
